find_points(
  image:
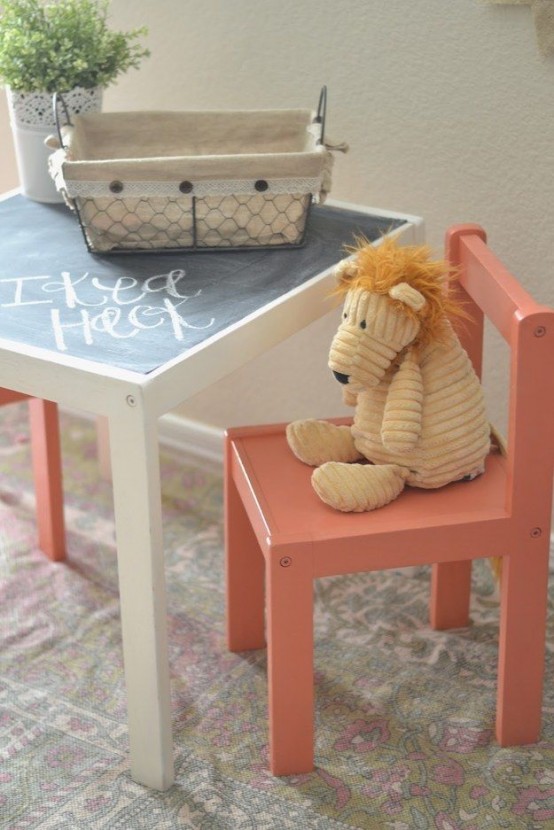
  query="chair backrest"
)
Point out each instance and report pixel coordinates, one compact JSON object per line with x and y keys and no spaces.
{"x":488,"y":290}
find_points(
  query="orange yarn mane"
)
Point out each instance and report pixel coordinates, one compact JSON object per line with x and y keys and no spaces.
{"x":377,"y":269}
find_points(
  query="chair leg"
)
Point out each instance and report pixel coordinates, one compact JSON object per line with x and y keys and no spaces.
{"x":47,"y":470}
{"x":450,"y":594}
{"x":290,"y":661}
{"x":244,"y":576}
{"x":522,"y":644}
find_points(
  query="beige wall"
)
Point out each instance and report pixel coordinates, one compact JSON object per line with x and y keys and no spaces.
{"x":8,"y":172}
{"x":448,"y":109}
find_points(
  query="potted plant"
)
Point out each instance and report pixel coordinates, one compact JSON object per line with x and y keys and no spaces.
{"x":60,"y":46}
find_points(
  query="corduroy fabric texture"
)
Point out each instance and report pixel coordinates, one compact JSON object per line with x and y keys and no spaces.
{"x":419,"y":410}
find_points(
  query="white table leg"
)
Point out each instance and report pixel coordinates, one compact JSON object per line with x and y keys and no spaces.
{"x":137,"y":501}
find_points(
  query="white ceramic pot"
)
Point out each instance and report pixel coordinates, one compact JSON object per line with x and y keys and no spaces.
{"x":32,"y":121}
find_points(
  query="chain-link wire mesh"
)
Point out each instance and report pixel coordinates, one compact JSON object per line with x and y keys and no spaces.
{"x":161,"y":222}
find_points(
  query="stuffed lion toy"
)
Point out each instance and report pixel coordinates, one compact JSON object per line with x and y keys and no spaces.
{"x":419,"y":409}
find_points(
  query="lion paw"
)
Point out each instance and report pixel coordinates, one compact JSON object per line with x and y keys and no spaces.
{"x":355,"y":488}
{"x":316,"y":442}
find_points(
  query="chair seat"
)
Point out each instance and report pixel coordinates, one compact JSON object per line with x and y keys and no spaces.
{"x":283,"y":508}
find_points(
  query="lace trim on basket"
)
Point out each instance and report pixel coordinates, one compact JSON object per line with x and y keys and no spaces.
{"x":120,"y":190}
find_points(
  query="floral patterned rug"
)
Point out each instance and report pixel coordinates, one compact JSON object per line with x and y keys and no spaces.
{"x":404,"y":714}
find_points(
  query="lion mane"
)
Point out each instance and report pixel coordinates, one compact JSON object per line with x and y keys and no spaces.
{"x":379,"y":268}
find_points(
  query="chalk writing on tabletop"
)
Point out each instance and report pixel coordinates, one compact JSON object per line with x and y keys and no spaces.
{"x":83,"y":307}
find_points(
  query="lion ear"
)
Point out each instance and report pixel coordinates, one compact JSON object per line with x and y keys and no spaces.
{"x":408,"y":295}
{"x":346,"y":270}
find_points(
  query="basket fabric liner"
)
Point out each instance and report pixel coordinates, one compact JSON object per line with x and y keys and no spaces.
{"x":162,"y":134}
{"x":223,"y":158}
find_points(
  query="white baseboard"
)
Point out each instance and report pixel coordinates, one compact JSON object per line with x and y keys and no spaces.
{"x":191,"y":438}
{"x":194,"y":439}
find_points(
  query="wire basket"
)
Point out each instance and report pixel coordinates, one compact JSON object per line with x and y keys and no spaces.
{"x":151,"y":181}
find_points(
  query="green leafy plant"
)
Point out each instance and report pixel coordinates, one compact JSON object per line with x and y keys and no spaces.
{"x":55,"y":46}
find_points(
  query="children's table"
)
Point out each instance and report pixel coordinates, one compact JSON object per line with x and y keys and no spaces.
{"x":130,"y":337}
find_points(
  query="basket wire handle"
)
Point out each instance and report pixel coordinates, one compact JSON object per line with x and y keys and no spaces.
{"x":58,"y":98}
{"x":321,"y":113}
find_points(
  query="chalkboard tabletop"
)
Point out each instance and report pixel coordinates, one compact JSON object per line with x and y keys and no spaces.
{"x":138,"y":311}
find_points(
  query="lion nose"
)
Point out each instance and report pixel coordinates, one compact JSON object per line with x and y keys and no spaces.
{"x":340,"y":377}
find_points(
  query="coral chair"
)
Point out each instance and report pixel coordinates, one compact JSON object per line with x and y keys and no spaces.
{"x":279,"y":532}
{"x":47,"y":471}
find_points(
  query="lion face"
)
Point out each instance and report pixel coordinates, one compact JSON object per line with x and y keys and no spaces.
{"x":373,"y":331}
